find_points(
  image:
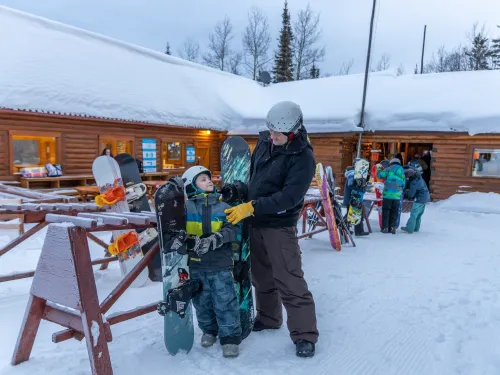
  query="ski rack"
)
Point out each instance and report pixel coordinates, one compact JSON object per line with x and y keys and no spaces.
{"x":64,"y":291}
{"x":34,"y":213}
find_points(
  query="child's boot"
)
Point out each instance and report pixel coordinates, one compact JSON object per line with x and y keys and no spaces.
{"x":208,"y":340}
{"x":230,"y":350}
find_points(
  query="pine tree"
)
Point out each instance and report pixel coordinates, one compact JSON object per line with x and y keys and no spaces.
{"x":283,"y":58}
{"x":314,"y":72}
{"x":479,"y":53}
{"x":167,"y":51}
{"x":496,"y":52}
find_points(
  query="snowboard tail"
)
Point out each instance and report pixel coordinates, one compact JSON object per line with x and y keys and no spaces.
{"x":328,"y":207}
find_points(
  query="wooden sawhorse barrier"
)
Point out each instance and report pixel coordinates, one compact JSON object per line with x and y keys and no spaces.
{"x":64,"y":289}
{"x":36,"y":214}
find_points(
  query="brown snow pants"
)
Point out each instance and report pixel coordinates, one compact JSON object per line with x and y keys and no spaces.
{"x":278,"y":278}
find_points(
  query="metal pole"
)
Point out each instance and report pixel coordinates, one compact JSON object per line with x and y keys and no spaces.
{"x":362,"y":119}
{"x":423,"y":49}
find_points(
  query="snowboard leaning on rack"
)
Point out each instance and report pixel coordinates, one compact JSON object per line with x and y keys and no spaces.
{"x":171,"y":217}
{"x":355,"y":210}
{"x":127,"y":244}
{"x":235,"y":166}
{"x":327,"y":207}
{"x":138,"y":202}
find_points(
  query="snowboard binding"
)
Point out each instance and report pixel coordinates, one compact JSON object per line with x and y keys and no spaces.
{"x":178,"y":298}
{"x":234,"y":192}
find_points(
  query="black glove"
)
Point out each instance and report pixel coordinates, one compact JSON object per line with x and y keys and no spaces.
{"x":204,"y":244}
{"x":177,"y":243}
{"x":234,"y":192}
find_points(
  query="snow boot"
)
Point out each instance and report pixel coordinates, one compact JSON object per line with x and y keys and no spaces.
{"x":208,"y":340}
{"x":393,"y":230}
{"x":304,"y":348}
{"x":230,"y":350}
{"x":404,"y":229}
{"x":385,"y":230}
{"x":258,"y":326}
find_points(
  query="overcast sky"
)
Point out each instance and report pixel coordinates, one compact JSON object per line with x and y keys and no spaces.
{"x":345,"y":23}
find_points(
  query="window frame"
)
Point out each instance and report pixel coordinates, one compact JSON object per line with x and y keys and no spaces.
{"x":30,"y":133}
{"x":471,"y":150}
{"x":126,"y":138}
{"x":182,"y":161}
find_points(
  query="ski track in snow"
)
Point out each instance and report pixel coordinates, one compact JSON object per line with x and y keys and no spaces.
{"x":426,"y":303}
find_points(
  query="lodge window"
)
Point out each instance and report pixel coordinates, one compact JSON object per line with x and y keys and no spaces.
{"x":486,"y":162}
{"x":172,"y":154}
{"x":117,"y":145}
{"x":33,"y":151}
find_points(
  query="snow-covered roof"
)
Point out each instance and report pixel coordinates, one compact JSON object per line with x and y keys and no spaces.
{"x":51,"y":67}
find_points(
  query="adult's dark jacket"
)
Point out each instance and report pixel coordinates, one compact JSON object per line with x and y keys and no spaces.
{"x":417,"y":189}
{"x":279,"y":179}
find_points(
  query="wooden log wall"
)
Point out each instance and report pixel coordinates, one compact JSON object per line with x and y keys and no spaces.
{"x":452,"y":156}
{"x":80,"y":138}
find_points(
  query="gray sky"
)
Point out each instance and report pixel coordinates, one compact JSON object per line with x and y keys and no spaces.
{"x":345,"y":23}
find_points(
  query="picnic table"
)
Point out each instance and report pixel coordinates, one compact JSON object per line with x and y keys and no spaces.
{"x":86,"y":192}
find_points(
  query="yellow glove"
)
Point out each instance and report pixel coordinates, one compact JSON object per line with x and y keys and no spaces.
{"x":237,"y":213}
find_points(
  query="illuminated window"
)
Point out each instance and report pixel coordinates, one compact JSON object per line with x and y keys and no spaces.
{"x":486,"y":162}
{"x":172,"y":155}
{"x":117,"y":146}
{"x":33,"y":151}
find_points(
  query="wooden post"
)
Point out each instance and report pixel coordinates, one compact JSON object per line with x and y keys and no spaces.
{"x":64,"y":276}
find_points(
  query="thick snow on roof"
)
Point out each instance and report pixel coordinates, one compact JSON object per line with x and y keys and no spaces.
{"x":49,"y":66}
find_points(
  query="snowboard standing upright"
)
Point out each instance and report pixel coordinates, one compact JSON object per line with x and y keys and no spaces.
{"x":171,"y":215}
{"x":355,"y":210}
{"x":133,"y":183}
{"x":328,"y":207}
{"x":112,"y":192}
{"x":235,"y":166}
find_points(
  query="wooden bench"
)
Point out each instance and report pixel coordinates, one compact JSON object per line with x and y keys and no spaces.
{"x":55,"y":182}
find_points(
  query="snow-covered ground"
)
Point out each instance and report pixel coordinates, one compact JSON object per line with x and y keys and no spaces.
{"x":427,"y":303}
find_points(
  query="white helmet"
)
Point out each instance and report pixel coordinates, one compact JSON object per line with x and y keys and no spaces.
{"x":189,"y":177}
{"x":284,"y":117}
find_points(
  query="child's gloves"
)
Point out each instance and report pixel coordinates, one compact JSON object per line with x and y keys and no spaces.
{"x":204,"y":244}
{"x":237,"y":213}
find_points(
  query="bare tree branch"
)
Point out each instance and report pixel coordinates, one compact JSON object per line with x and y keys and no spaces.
{"x":306,"y":35}
{"x":235,"y":62}
{"x":219,"y":50}
{"x":401,"y":70}
{"x":256,"y":42}
{"x":189,"y":50}
{"x":345,"y":68}
{"x":384,"y":63}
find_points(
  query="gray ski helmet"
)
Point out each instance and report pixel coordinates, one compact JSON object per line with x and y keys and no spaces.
{"x":284,"y":117}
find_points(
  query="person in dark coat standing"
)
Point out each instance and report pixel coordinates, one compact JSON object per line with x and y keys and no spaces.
{"x":281,"y":171}
{"x":417,"y":191}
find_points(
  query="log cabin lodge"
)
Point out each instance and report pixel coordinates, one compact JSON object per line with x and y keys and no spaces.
{"x":68,"y":93}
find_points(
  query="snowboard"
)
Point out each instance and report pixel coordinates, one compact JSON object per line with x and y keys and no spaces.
{"x":171,"y":217}
{"x":137,"y":203}
{"x":343,"y":227}
{"x":235,"y":166}
{"x":355,"y":210}
{"x":112,"y":192}
{"x":327,"y":207}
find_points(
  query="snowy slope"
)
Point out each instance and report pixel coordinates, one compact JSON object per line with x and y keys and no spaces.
{"x":49,"y":66}
{"x":427,"y":303}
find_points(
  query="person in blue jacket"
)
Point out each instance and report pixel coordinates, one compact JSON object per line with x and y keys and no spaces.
{"x":417,"y":191}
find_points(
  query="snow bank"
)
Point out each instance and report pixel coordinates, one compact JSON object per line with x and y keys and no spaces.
{"x":49,"y":66}
{"x":488,"y":203}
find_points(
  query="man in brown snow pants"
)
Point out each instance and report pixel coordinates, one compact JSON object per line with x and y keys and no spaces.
{"x":281,"y":171}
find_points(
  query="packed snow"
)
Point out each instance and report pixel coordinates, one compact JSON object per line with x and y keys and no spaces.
{"x":52,"y":67}
{"x":426,"y":303}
